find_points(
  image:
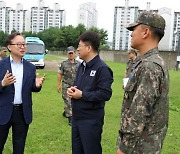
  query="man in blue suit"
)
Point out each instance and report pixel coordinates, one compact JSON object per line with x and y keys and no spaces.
{"x":17,"y":82}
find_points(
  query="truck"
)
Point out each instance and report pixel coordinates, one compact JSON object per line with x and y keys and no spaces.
{"x":35,"y":51}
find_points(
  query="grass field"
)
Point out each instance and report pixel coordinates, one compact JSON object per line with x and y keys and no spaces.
{"x":50,"y":133}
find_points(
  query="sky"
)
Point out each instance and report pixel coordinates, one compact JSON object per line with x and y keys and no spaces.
{"x":105,"y":9}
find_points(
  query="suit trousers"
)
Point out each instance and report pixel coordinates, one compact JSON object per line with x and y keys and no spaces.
{"x":86,"y":136}
{"x":19,"y":131}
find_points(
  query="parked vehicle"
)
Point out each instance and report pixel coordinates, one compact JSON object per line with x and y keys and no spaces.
{"x":35,"y":52}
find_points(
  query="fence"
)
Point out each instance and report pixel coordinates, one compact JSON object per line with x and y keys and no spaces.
{"x":170,"y":57}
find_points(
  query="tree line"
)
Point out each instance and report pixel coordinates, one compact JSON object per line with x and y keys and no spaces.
{"x":60,"y":38}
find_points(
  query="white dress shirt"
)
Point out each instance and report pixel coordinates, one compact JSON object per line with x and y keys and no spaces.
{"x":17,"y":71}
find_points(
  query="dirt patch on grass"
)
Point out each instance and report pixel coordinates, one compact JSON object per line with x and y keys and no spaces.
{"x":52,"y":65}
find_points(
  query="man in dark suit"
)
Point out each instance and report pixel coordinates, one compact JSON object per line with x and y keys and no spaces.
{"x":17,"y":82}
{"x":92,"y":88}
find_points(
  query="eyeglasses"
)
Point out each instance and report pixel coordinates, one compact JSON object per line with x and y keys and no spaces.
{"x":19,"y":45}
{"x":70,"y":53}
{"x":80,"y":46}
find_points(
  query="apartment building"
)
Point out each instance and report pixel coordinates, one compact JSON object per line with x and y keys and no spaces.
{"x":19,"y":18}
{"x":56,"y":17}
{"x":36,"y":20}
{"x":123,"y":15}
{"x":43,"y":17}
{"x":11,"y":19}
{"x":176,"y":32}
{"x":87,"y":15}
{"x":2,"y":16}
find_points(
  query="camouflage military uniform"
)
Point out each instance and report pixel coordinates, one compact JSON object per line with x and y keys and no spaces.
{"x":129,"y":67}
{"x":68,"y":70}
{"x":145,"y":107}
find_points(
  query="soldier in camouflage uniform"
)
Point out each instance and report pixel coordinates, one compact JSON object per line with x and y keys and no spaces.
{"x":67,"y":73}
{"x":3,"y":53}
{"x":145,"y":106}
{"x":132,"y":53}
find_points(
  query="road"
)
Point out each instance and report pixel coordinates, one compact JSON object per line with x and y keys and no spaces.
{"x":52,"y":65}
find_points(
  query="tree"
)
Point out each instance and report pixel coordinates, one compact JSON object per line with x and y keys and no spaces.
{"x":29,"y":34}
{"x":13,"y":31}
{"x":3,"y":37}
{"x":60,"y":38}
{"x":69,"y":35}
{"x":103,"y":35}
{"x":49,"y":36}
{"x":78,"y":31}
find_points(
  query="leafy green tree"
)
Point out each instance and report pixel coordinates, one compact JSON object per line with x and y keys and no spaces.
{"x":3,"y":37}
{"x":13,"y":31}
{"x":60,"y":38}
{"x":78,"y":31}
{"x":48,"y":36}
{"x":29,"y":34}
{"x":103,"y":35}
{"x":59,"y":41}
{"x":69,"y":35}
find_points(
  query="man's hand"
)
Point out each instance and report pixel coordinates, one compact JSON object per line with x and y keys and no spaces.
{"x":8,"y":79}
{"x":73,"y":92}
{"x":39,"y":80}
{"x":59,"y":88}
{"x":119,"y":151}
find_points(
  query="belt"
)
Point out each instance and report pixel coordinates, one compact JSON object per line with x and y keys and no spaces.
{"x":17,"y":106}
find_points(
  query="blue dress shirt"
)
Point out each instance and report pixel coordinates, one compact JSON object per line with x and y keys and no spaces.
{"x":17,"y":71}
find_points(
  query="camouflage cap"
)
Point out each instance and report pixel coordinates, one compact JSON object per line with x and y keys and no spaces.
{"x":148,"y":18}
{"x":132,"y":50}
{"x":70,"y":49}
{"x":4,"y":49}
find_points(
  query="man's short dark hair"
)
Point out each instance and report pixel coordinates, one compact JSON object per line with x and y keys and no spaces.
{"x":91,"y":38}
{"x":11,"y":37}
{"x":157,"y":32}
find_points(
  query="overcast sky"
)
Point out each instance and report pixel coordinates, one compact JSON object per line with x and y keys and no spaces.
{"x":105,"y":9}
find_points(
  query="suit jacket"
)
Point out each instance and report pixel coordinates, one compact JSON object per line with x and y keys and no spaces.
{"x":7,"y":93}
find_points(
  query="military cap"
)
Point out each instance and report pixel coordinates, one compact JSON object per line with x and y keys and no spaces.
{"x":3,"y":49}
{"x":132,"y":51}
{"x":148,"y":18}
{"x":70,"y":49}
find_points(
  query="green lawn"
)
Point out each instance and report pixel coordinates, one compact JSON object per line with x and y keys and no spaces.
{"x":50,"y":133}
{"x":55,"y":57}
